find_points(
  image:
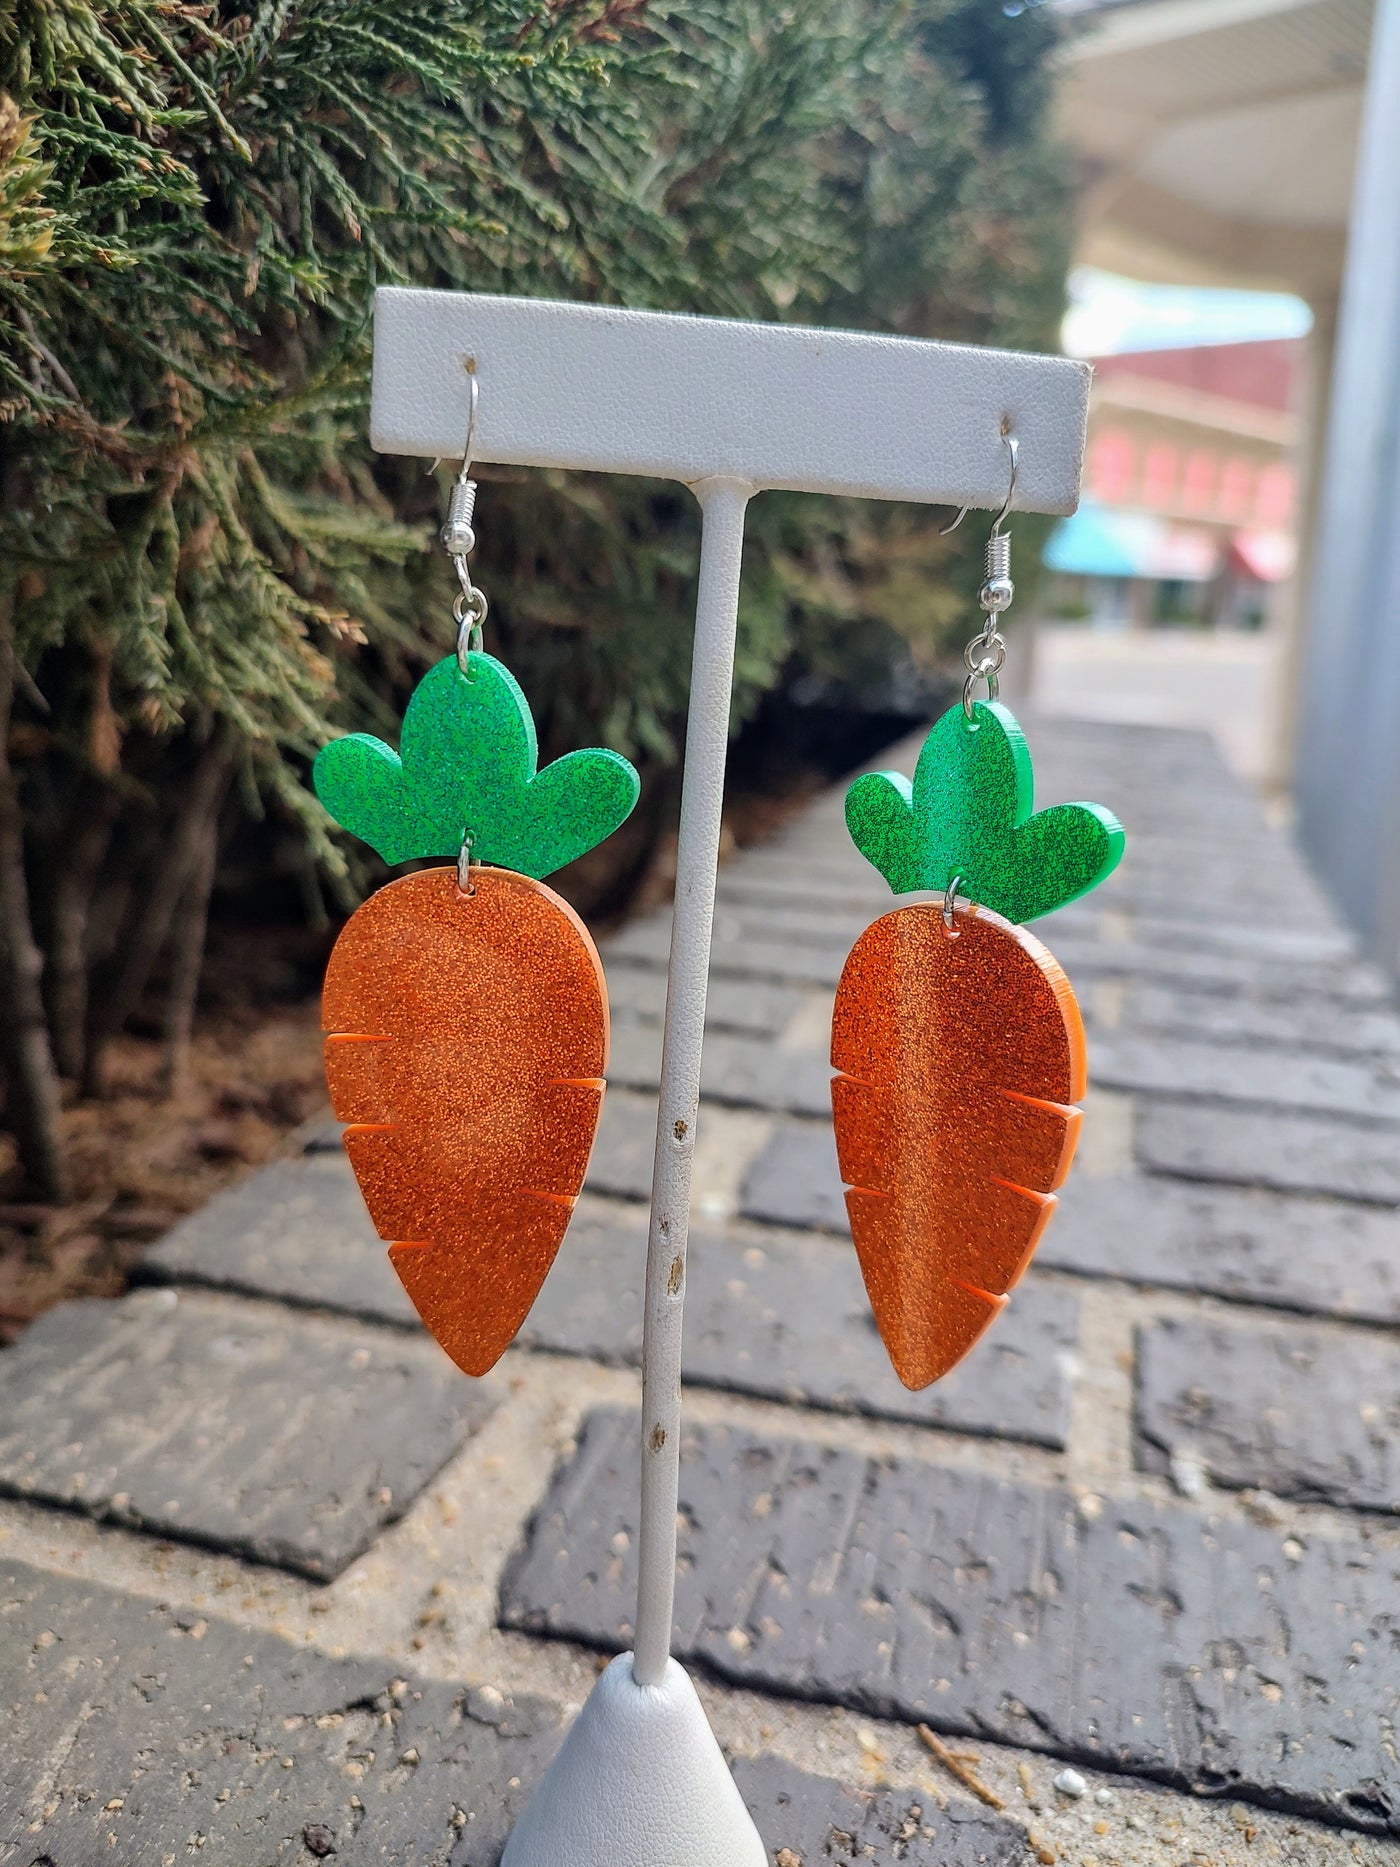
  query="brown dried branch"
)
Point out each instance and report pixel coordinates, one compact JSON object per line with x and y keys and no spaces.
{"x":955,"y":1766}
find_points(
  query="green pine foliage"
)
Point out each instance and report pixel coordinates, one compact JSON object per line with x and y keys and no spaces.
{"x":203,"y":570}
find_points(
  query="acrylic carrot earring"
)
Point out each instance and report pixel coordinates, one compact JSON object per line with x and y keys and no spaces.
{"x":956,"y":1035}
{"x":464,"y":1007}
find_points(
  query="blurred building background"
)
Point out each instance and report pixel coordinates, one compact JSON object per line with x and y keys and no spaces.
{"x":1190,"y":489}
{"x":1245,"y":483}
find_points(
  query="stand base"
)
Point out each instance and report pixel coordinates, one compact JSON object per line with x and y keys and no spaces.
{"x":640,"y":1782}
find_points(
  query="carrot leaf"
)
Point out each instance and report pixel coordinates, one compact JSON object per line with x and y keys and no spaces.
{"x":968,"y":816}
{"x":466,"y":767}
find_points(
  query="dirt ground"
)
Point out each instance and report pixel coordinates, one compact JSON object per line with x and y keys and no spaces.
{"x":141,"y":1158}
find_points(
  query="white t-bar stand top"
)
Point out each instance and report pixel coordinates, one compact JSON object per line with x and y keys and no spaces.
{"x":729,"y":409}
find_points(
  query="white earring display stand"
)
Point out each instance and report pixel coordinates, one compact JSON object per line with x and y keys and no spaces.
{"x":730,"y":410}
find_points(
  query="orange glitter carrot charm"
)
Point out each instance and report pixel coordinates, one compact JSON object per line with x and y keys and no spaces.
{"x":467,"y":1039}
{"x":957,"y":1038}
{"x":465,"y":1009}
{"x":953,"y":1126}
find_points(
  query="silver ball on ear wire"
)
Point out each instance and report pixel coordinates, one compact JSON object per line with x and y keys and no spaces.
{"x":997,"y":594}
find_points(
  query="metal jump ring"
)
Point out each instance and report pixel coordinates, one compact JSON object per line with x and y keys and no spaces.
{"x":950,"y":897}
{"x":469,"y":611}
{"x":993,"y":658}
{"x":989,"y":675}
{"x":470,"y":607}
{"x":468,"y":644}
{"x":464,"y":865}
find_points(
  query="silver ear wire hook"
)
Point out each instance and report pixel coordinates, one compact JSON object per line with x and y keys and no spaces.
{"x":985,"y":655}
{"x":459,"y":538}
{"x":474,"y":392}
{"x":1013,"y":447}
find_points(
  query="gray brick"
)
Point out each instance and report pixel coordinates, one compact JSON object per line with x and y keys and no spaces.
{"x":1225,"y":886}
{"x":737,"y":954}
{"x":284,"y":1437}
{"x":296,"y":1233}
{"x":1174,"y":848}
{"x":1237,"y":1073}
{"x":1246,"y":1245}
{"x":136,"y":1734}
{"x":1236,"y":880}
{"x":780,"y":1315}
{"x":818,"y":1820}
{"x":760,"y":1008}
{"x":761,"y":944}
{"x":1202,"y":1651}
{"x":1296,"y":1153}
{"x":1098,"y":917}
{"x":622,"y":1153}
{"x":744,"y":1072}
{"x":1282,"y":1029}
{"x":795,"y":1179}
{"x":1302,"y":1413}
{"x":1174,"y":776}
{"x":1185,"y":963}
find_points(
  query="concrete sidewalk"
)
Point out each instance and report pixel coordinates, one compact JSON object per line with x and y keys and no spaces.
{"x":275,"y":1580}
{"x":1224,"y":681}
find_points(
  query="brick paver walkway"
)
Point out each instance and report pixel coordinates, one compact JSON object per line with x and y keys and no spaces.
{"x":275,"y":1580}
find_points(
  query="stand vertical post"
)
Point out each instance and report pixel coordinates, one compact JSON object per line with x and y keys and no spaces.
{"x":722,"y":507}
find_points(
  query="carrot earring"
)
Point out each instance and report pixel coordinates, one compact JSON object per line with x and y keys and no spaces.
{"x":464,"y":1007}
{"x":957,"y":1038}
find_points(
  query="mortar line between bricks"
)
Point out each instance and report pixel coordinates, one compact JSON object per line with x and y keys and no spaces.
{"x":1111,"y":1310}
{"x":1140,"y":1301}
{"x":1147,"y":1300}
{"x":1143,"y":1104}
{"x":1183,"y":1177}
{"x":494,"y":1483}
{"x":1100,"y":1443}
{"x":1255,"y":1105}
{"x":1099,"y":1452}
{"x":938,"y":1447}
{"x":191,"y":1281}
{"x":1314,"y":1049}
{"x":1100,"y":1080}
{"x":1092,"y":967}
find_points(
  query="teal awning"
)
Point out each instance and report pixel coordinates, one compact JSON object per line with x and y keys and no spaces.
{"x":1095,"y":542}
{"x":1099,"y":541}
